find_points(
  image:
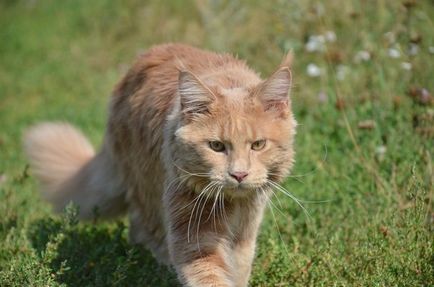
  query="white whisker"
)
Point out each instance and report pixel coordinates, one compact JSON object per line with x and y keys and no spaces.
{"x":181,"y":179}
{"x":275,"y":195}
{"x":277,"y":226}
{"x":194,"y":207}
{"x":214,"y":208}
{"x":225,"y":216}
{"x":204,"y":174}
{"x":297,"y":176}
{"x":287,"y":193}
{"x":201,"y":212}
{"x":308,"y":201}
{"x":278,"y":209}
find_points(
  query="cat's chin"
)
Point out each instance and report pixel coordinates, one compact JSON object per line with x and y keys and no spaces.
{"x":245,"y":191}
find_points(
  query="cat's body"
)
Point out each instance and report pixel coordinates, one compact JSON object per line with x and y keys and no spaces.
{"x":193,"y":139}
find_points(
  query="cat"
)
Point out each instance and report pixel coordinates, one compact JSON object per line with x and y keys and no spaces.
{"x":194,"y":143}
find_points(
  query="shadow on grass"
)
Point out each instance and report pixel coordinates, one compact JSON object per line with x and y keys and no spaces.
{"x":95,"y":255}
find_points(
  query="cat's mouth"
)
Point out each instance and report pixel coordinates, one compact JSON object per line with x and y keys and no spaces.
{"x":243,"y":188}
{"x":210,"y":185}
{"x":245,"y":185}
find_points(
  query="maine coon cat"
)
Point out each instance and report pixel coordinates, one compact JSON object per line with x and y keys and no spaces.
{"x":195,"y":141}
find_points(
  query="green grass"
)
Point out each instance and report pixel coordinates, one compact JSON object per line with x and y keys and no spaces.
{"x":59,"y":60}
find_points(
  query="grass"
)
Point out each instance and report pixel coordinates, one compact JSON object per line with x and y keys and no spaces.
{"x":60,"y":59}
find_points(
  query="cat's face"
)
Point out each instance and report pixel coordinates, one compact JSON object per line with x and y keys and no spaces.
{"x":238,"y":138}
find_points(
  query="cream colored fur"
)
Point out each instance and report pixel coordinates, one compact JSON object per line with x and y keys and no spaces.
{"x":186,"y":200}
{"x":68,"y":170}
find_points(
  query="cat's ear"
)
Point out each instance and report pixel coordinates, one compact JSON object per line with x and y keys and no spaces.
{"x":195,"y":97}
{"x":274,"y":92}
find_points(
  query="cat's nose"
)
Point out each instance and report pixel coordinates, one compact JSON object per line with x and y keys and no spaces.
{"x":239,"y":175}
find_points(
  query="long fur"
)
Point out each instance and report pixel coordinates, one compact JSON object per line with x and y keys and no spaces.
{"x":69,"y":171}
{"x":182,"y":200}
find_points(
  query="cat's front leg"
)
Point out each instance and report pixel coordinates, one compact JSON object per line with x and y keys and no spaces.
{"x":198,"y":242}
{"x":243,"y":253}
{"x":202,"y":263}
{"x":244,"y":243}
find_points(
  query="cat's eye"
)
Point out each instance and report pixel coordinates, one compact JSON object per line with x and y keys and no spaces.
{"x":258,"y":145}
{"x":217,"y":146}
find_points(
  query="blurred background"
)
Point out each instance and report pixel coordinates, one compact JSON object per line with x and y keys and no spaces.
{"x":363,"y":84}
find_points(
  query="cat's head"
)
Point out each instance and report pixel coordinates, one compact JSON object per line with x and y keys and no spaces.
{"x":239,"y":138}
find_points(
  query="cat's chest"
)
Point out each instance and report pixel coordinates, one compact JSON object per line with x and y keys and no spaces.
{"x":245,"y":217}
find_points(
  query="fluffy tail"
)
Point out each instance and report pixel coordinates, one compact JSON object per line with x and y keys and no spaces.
{"x":68,"y":170}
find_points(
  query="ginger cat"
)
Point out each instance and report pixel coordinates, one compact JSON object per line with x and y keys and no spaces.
{"x":195,"y":141}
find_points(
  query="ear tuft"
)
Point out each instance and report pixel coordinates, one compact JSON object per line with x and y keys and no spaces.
{"x":274,"y":91}
{"x":195,"y":97}
{"x":287,"y":60}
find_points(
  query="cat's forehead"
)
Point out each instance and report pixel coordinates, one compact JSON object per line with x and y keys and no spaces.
{"x":236,"y":100}
{"x":236,"y":128}
{"x":235,"y":123}
{"x":237,"y":93}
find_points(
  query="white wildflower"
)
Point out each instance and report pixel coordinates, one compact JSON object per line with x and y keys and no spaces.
{"x":380,"y":152}
{"x":315,"y":43}
{"x":431,"y":49}
{"x":313,"y":70}
{"x":413,"y":49}
{"x":406,"y":66}
{"x":380,"y":149}
{"x":330,"y":36}
{"x":341,"y":72}
{"x":362,"y":56}
{"x":394,"y":53}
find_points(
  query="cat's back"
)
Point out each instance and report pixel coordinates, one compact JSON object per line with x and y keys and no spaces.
{"x":158,"y":69}
{"x":175,"y":57}
{"x":148,"y":89}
